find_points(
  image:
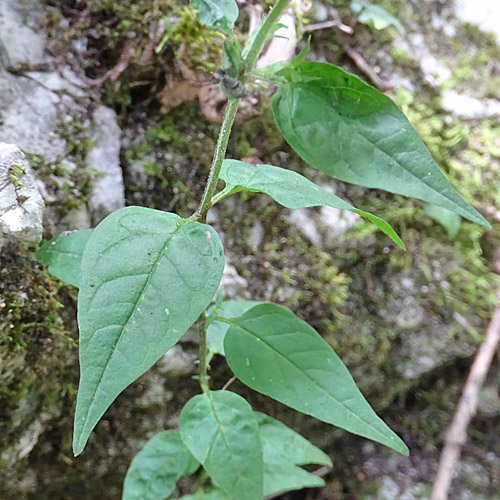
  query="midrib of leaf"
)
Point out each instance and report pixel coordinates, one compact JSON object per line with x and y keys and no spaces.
{"x":65,"y":252}
{"x":219,"y":423}
{"x":340,"y":403}
{"x":353,"y":128}
{"x":146,"y":284}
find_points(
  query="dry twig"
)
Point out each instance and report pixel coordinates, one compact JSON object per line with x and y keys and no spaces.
{"x":457,"y":432}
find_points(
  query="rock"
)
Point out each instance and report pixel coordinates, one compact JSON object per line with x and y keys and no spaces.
{"x":302,"y":220}
{"x":31,"y":118}
{"x":176,"y":361}
{"x":35,"y":103}
{"x":22,"y":44}
{"x":334,"y":223}
{"x":469,"y":107}
{"x":109,"y":193}
{"x":484,"y":14}
{"x":21,"y":205}
{"x":435,"y":72}
{"x":256,"y":235}
{"x":77,"y":218}
{"x":320,"y":12}
{"x":232,"y":283}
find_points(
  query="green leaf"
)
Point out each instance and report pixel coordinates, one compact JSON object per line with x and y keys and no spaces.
{"x":220,"y":430}
{"x":284,"y":451}
{"x":449,"y":220}
{"x":375,"y":16}
{"x":231,"y":57}
{"x":356,"y":134}
{"x":216,"y":331}
{"x":291,"y":190}
{"x":155,"y":470}
{"x":146,"y":277}
{"x":63,"y":255}
{"x":274,"y":352}
{"x":270,"y":71}
{"x":216,"y":14}
{"x":206,"y":494}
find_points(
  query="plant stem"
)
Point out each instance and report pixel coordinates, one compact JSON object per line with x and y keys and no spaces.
{"x":203,"y":368}
{"x":221,"y":195}
{"x":219,"y":155}
{"x":231,"y":108}
{"x":264,"y":31}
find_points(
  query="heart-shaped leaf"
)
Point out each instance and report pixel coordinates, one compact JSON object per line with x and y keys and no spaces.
{"x":274,"y":352}
{"x":146,"y":277}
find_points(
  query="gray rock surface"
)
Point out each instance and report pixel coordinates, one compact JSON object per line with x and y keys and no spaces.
{"x":232,"y":284}
{"x":109,"y":193}
{"x":21,"y":205}
{"x":484,"y":13}
{"x":34,"y":104}
{"x":469,"y":107}
{"x":22,"y":44}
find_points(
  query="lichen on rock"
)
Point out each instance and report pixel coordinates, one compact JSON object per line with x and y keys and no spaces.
{"x":21,"y":205}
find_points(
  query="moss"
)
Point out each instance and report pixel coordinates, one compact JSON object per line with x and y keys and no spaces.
{"x":470,"y":55}
{"x":400,"y":56}
{"x":258,"y":136}
{"x":175,"y":152}
{"x":35,"y":376}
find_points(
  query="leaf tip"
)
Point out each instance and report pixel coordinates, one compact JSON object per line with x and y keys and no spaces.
{"x":79,"y":440}
{"x":400,"y":446}
{"x":77,"y":447}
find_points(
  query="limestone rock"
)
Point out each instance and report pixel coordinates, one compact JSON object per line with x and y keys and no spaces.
{"x":23,"y":45}
{"x":469,"y":107}
{"x":232,"y":283}
{"x":484,"y":14}
{"x":109,"y":192}
{"x":21,"y":205}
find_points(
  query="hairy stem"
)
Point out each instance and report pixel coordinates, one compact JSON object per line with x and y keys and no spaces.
{"x":220,"y":150}
{"x":219,"y":155}
{"x":203,"y":368}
